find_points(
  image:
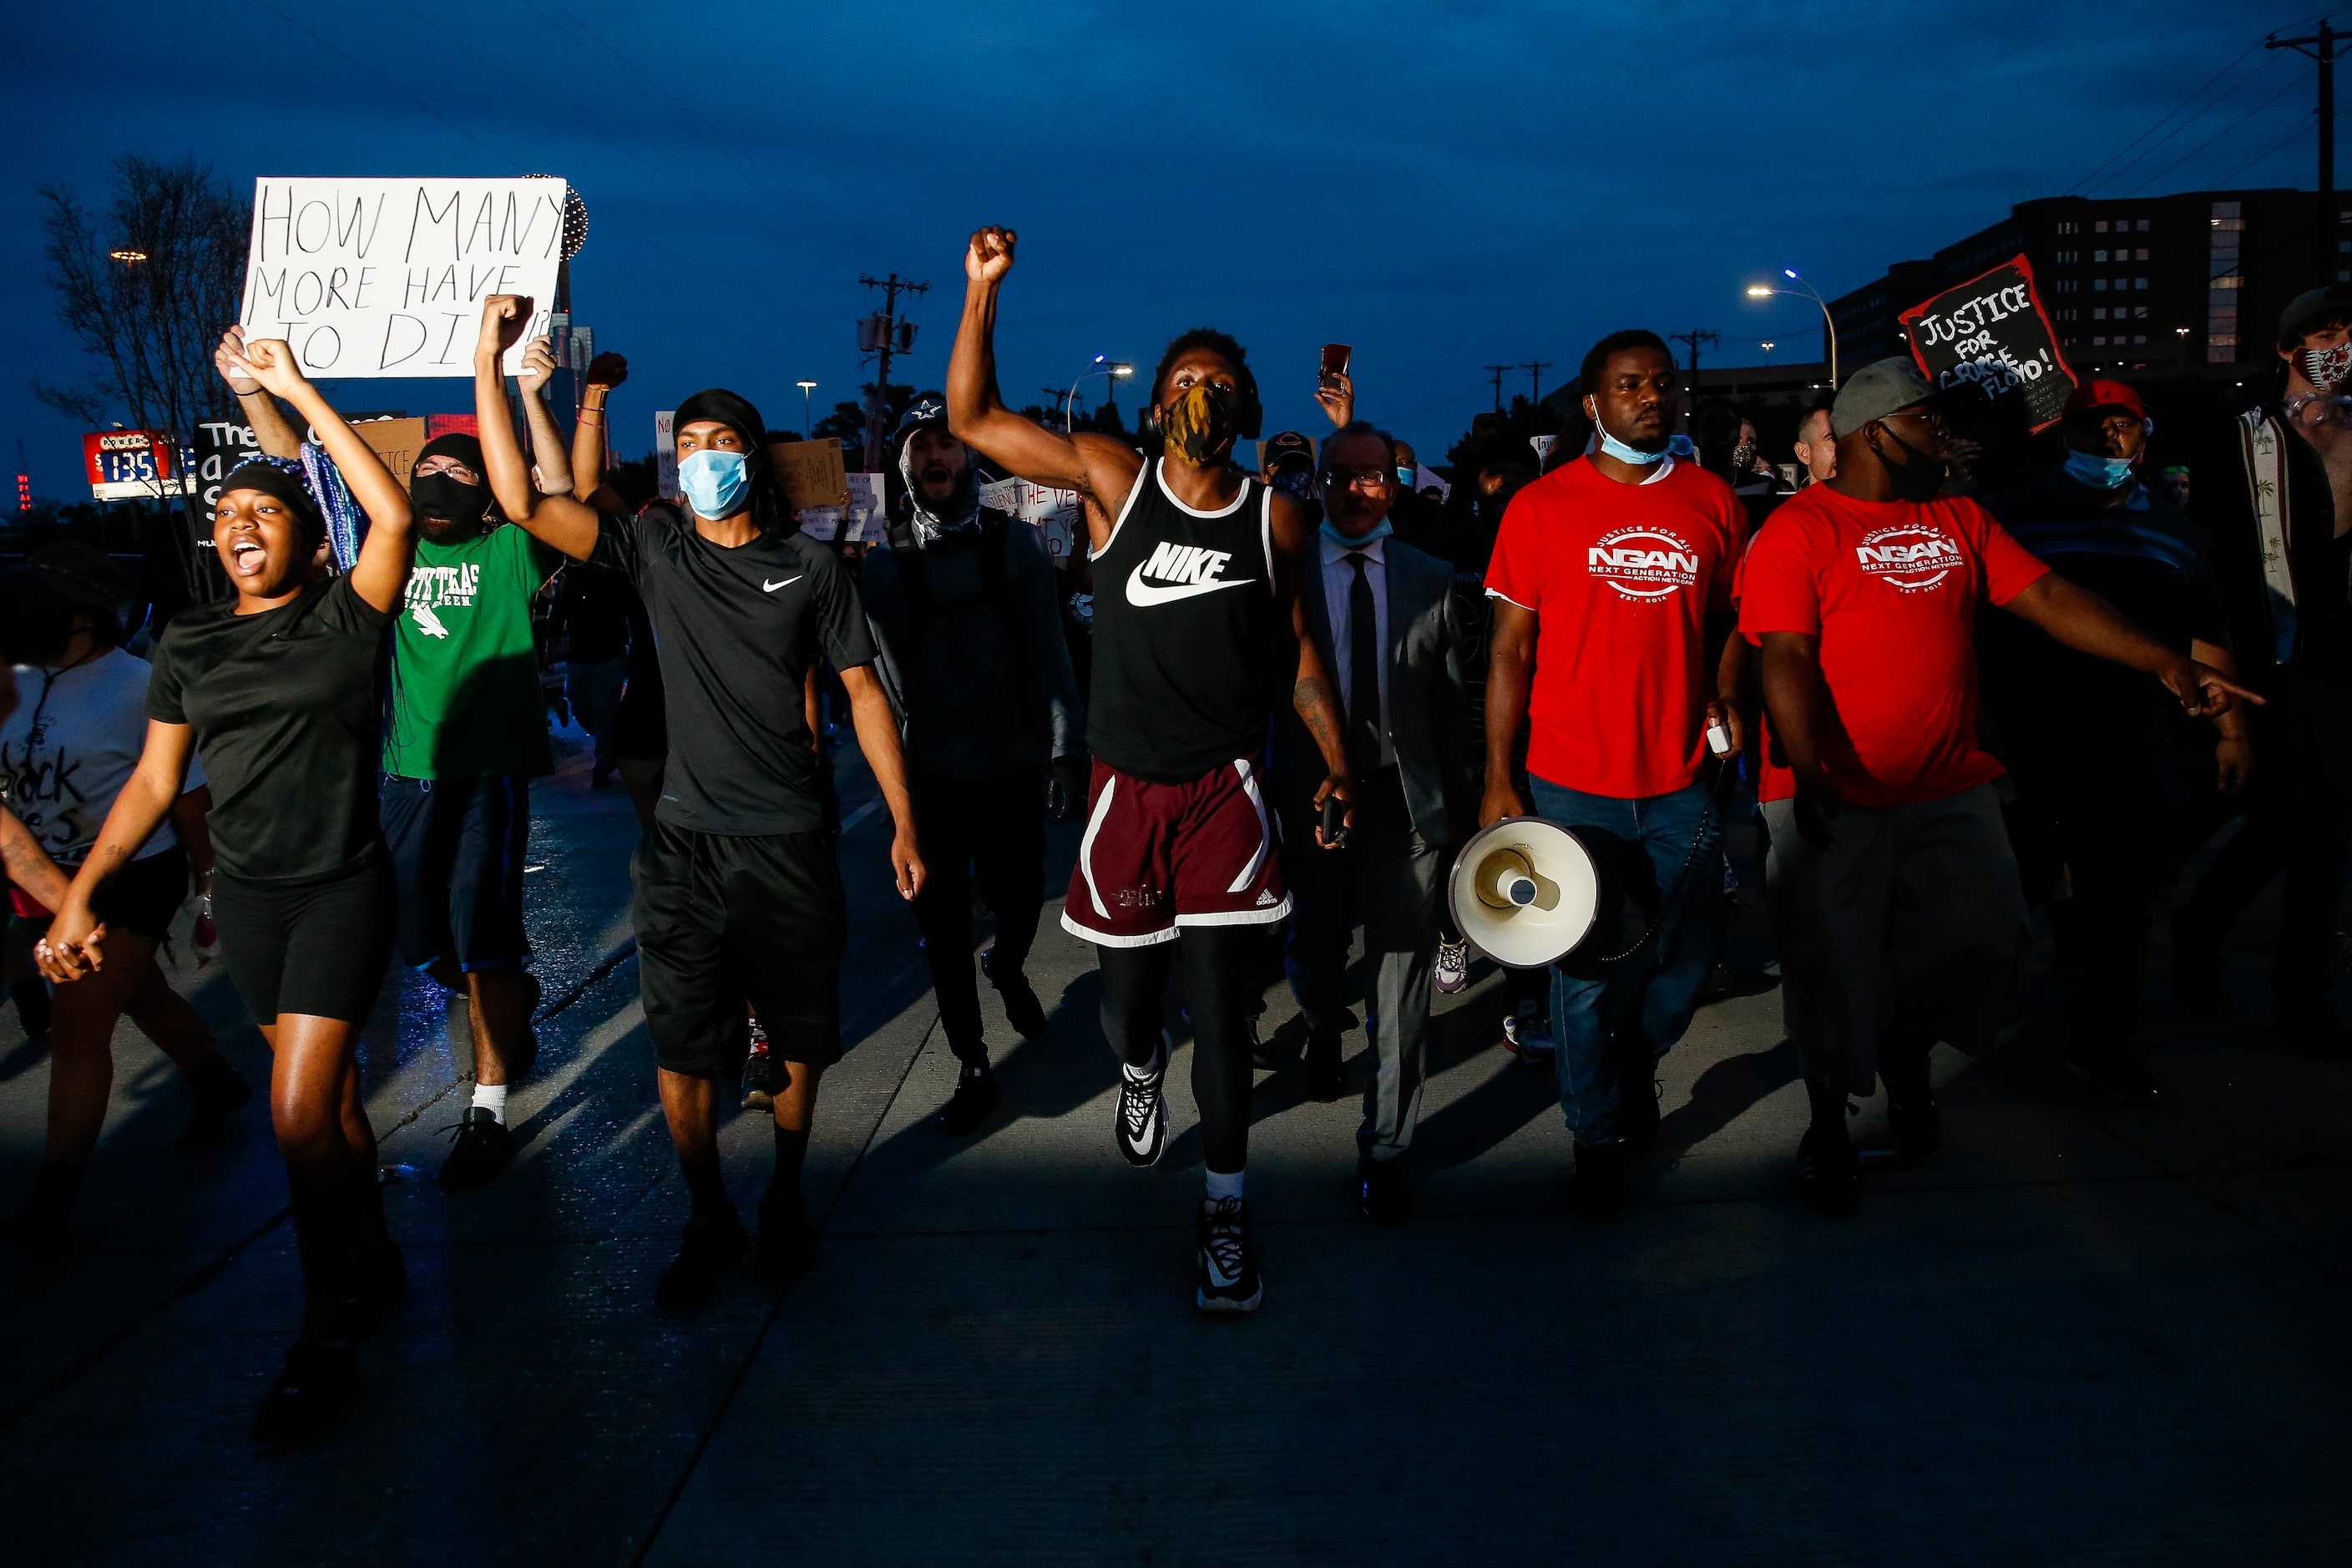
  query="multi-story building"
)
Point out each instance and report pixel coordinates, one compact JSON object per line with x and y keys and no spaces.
{"x":2189,"y":285}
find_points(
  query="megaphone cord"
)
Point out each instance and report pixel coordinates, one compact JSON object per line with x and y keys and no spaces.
{"x":1724,"y":773}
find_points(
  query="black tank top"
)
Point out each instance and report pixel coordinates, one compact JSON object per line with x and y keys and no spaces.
{"x":1185,"y":634}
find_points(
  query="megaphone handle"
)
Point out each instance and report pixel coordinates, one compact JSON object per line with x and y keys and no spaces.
{"x":1707,"y":812}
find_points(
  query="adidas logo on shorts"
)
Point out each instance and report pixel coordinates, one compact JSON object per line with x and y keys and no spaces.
{"x":1266,"y":899}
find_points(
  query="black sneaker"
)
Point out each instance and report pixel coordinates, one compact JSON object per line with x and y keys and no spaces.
{"x":483,"y":1146}
{"x":1637,"y":1091}
{"x":2313,"y":1027}
{"x":1829,"y":1172}
{"x":1380,"y":1190}
{"x":1229,"y":1279}
{"x":758,"y":1090}
{"x":2113,"y":1068}
{"x":312,"y":1390}
{"x":219,"y":1096}
{"x":2196,"y":971}
{"x":1598,"y":1191}
{"x":787,"y":1240}
{"x":379,"y":1277}
{"x":1022,"y":1008}
{"x":1320,"y":1067}
{"x":975,"y":1096}
{"x":1140,"y":1129}
{"x":712,"y":1244}
{"x":1911,"y":1112}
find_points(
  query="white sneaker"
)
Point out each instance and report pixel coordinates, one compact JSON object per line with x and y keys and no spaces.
{"x":1453,"y":965}
{"x":1140,"y":1128}
{"x":1529,"y":1039}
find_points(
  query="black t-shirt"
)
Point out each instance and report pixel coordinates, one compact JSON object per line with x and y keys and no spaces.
{"x":591,"y":613}
{"x":738,"y":630}
{"x":285,"y":705}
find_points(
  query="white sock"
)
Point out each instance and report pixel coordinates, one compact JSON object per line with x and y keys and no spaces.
{"x":1158,"y":1064}
{"x":1223,"y":1186}
{"x":492,"y":1098}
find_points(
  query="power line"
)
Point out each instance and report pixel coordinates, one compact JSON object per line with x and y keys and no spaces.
{"x":2291,"y":132}
{"x":2257,"y":109}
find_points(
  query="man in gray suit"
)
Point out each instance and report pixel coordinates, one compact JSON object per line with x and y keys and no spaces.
{"x":1392,"y":633}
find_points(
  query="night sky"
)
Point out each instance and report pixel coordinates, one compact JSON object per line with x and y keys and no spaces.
{"x":1442,"y":186}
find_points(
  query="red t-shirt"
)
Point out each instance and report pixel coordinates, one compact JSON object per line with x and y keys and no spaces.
{"x":1622,"y":578}
{"x":1890,"y":589}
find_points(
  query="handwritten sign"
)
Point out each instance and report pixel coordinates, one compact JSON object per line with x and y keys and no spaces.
{"x":864,"y":520}
{"x":384,"y":278}
{"x":1058,"y":516}
{"x":811,"y":472}
{"x":1992,"y":333}
{"x":664,"y":456}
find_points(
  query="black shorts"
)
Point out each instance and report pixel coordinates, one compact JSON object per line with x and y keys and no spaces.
{"x":312,"y":947}
{"x":457,"y":849}
{"x":723,"y":919}
{"x":145,"y":896}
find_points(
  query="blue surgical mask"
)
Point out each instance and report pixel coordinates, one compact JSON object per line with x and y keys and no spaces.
{"x":1621,"y":452}
{"x":1355,"y":540}
{"x":2098,"y":473}
{"x":714,"y":483}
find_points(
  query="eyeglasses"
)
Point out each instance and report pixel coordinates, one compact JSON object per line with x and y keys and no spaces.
{"x":456,"y":469}
{"x":1358,"y":478}
{"x":1933,"y":421}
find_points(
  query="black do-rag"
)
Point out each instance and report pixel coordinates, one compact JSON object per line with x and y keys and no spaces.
{"x":284,"y":484}
{"x":729,"y":408}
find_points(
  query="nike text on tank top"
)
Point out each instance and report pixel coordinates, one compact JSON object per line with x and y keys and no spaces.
{"x":1185,"y":634}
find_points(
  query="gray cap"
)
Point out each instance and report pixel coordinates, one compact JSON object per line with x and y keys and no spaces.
{"x":1875,"y":391}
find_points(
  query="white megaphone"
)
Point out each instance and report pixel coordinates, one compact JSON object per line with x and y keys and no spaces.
{"x":1524,"y":892}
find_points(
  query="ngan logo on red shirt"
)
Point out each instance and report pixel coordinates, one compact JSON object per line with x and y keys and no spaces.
{"x":1643,"y":563}
{"x":1909,"y":557}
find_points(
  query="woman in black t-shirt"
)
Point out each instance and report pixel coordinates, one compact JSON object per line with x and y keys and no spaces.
{"x":280,"y":690}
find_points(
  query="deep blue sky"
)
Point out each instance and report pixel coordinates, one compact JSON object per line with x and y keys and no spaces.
{"x":1440,"y":186}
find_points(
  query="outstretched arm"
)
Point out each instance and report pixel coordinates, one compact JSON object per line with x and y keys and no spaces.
{"x":1310,"y":692}
{"x":589,"y":439}
{"x":558,"y":522}
{"x":2088,"y":624}
{"x":548,"y":448}
{"x":381,"y":573}
{"x":1095,"y":466}
{"x":272,"y":432}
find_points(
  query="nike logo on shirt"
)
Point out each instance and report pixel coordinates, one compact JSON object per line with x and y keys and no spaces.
{"x":1186,"y":571}
{"x":768,"y":588}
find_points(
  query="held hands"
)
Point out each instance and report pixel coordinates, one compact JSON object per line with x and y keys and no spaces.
{"x":991,"y":255}
{"x":227,"y":357}
{"x":1338,"y":401}
{"x":504,"y":317}
{"x":538,"y":366}
{"x":906,"y":862}
{"x":1340,"y":787}
{"x":607,"y":370}
{"x":269,"y":362}
{"x":72,"y":947}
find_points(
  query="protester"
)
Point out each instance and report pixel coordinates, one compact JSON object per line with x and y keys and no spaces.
{"x":1387,"y":623}
{"x":1612,"y":588}
{"x":2088,"y":744}
{"x":1895,"y":894}
{"x":278,"y":690}
{"x":962,"y":605}
{"x":64,"y":758}
{"x":737,"y":895}
{"x":1816,"y":448}
{"x":1199,"y":624}
{"x":2281,"y":544}
{"x":592,"y":615}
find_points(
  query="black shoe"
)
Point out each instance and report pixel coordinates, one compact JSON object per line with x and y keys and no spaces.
{"x":759,"y":1093}
{"x":312,"y":1390}
{"x":2196,"y":971}
{"x":787,"y":1240}
{"x":2313,"y":1027}
{"x":1829,"y":1172}
{"x":1140,"y":1119}
{"x":1911,"y":1112}
{"x":712,"y":1244}
{"x":1229,"y":1280}
{"x":2115,"y":1070}
{"x":1380,"y":1190}
{"x":1637,"y":1091}
{"x":44,"y":1226}
{"x":1326,"y":1079}
{"x":219,"y":1096}
{"x":975,"y":1096}
{"x":1598,"y":1191}
{"x":1022,"y":1008}
{"x":379,"y":1277}
{"x":484,"y":1147}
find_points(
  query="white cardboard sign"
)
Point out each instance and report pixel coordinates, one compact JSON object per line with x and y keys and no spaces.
{"x":386,"y":277}
{"x":1059,"y":516}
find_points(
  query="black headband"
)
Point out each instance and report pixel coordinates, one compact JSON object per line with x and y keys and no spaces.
{"x":281,"y":485}
{"x":730,"y":409}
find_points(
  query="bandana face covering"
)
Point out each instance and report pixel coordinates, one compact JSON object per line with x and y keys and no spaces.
{"x":2327,"y":369}
{"x":1200,"y":424}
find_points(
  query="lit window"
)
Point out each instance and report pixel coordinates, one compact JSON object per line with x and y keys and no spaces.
{"x":2143,"y":229}
{"x":2100,"y":314}
{"x":2140,"y":311}
{"x":2139,"y":337}
{"x":2098,"y":285}
{"x":2099,"y":343}
{"x":2139,"y":282}
{"x":2101,"y":226}
{"x":2143,"y":250}
{"x":2098,"y":255}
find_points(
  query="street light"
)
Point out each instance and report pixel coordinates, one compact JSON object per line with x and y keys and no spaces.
{"x":1768,"y":353}
{"x":1101,"y":364}
{"x":806,"y":387}
{"x":128,"y":255}
{"x":1805,"y":291}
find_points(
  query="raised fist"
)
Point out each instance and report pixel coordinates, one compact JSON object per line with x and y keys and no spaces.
{"x":538,"y":366}
{"x":608,"y":369}
{"x":504,"y":317}
{"x":224,"y":358}
{"x":990,"y":256}
{"x":269,"y":362}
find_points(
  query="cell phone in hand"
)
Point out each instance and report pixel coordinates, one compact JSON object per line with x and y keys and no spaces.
{"x":1335,"y":822}
{"x":1335,"y":363}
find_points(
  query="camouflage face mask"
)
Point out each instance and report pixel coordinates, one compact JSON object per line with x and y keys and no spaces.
{"x":1200,"y":424}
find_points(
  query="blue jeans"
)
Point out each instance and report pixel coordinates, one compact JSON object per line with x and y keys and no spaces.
{"x":1637,"y":846}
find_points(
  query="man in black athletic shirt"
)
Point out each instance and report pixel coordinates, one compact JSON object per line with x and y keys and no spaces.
{"x":738,"y":896}
{"x":1197,"y":631}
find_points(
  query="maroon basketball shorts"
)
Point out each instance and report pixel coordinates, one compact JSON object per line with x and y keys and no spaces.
{"x":1157,"y":857}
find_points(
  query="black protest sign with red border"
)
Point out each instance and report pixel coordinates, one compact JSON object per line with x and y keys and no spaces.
{"x":1992,"y":333}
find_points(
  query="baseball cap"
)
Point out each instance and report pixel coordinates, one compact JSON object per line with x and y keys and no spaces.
{"x":83,"y":575}
{"x":929,"y":410}
{"x":1284,"y":446}
{"x":2103,"y":395}
{"x":2314,"y":311}
{"x":1877,"y":390}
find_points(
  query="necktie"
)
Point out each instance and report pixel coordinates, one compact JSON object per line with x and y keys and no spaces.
{"x":1363,"y":673}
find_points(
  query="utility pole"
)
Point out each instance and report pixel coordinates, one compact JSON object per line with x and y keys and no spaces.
{"x":1695,"y":337}
{"x":1497,"y":371}
{"x":1060,"y":394}
{"x":1535,"y":369}
{"x":2322,"y":50}
{"x":884,"y":334}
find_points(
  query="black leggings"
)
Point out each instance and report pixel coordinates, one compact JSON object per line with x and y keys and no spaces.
{"x":1216,"y":962}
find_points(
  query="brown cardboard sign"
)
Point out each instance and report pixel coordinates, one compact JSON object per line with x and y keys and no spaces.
{"x":812,"y":473}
